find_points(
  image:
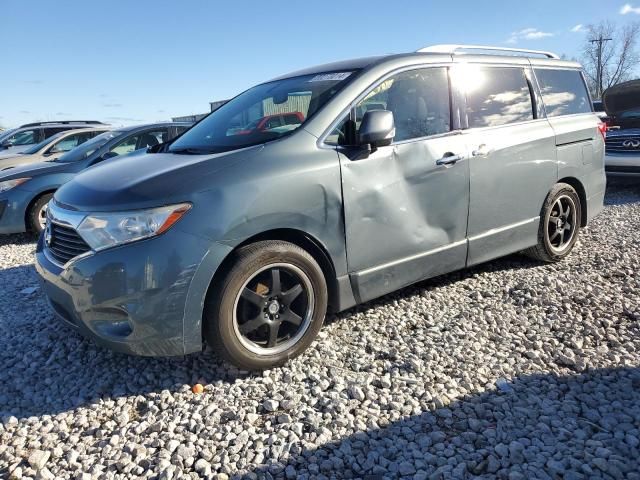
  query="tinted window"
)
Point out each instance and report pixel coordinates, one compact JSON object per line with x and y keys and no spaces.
{"x":25,"y":137}
{"x":50,"y":132}
{"x":563,"y":92}
{"x":496,"y":96}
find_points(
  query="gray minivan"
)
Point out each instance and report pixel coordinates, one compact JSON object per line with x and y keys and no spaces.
{"x":399,"y":168}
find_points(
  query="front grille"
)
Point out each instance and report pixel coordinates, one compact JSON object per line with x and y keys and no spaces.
{"x":616,"y":144}
{"x":65,"y":243}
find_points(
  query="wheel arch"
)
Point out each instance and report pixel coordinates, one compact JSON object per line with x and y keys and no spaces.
{"x":582,"y":194}
{"x":297,"y":237}
{"x":33,"y":200}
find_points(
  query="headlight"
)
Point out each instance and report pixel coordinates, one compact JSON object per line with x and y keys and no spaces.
{"x":104,"y":230}
{"x":9,"y":184}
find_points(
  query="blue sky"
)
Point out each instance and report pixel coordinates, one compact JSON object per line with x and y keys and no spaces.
{"x":132,"y":61}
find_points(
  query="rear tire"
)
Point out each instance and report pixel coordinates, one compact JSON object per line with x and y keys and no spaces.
{"x":36,"y":217}
{"x":268,"y":307}
{"x":560,"y":221}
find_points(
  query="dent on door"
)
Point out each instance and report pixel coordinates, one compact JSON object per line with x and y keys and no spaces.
{"x":405,"y":215}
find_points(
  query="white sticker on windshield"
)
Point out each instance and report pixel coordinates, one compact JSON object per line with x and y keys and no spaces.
{"x":331,"y":77}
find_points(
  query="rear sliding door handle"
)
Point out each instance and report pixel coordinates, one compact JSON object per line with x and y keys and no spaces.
{"x":449,"y":159}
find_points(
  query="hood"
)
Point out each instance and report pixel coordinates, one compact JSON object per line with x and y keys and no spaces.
{"x":622,"y":97}
{"x":147,"y":180}
{"x":30,"y":170}
{"x":11,"y":151}
{"x":9,"y":154}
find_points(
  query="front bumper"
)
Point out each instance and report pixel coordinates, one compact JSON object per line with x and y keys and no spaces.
{"x":13,"y":207}
{"x":622,"y":164}
{"x":144,"y":298}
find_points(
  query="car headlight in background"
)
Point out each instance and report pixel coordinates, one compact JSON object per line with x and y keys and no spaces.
{"x":9,"y":184}
{"x":104,"y":230}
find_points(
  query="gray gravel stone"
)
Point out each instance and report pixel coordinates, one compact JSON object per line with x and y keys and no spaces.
{"x":38,"y":459}
{"x":512,"y":369}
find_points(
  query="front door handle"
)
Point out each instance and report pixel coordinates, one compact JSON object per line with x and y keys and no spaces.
{"x":449,"y":159}
{"x":482,"y":151}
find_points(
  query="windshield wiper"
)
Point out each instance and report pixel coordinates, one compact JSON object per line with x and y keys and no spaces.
{"x":190,"y":151}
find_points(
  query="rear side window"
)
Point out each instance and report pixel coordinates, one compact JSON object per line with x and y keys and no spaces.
{"x":496,"y":96}
{"x":563,"y":92}
{"x":50,"y":132}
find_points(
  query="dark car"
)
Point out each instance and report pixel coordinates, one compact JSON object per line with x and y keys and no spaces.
{"x":622,"y":104}
{"x":25,"y":190}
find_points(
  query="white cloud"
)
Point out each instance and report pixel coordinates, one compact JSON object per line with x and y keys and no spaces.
{"x":528,"y":34}
{"x":628,"y":8}
{"x":578,"y":28}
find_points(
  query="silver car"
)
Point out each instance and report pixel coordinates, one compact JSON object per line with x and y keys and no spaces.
{"x":51,"y":148}
{"x":20,"y":138}
{"x":393,"y":169}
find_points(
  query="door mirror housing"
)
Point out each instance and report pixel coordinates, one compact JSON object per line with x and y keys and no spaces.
{"x":106,"y":156}
{"x":377,"y":129}
{"x":6,"y":144}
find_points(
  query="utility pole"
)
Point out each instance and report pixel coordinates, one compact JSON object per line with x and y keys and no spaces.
{"x":599,"y":70}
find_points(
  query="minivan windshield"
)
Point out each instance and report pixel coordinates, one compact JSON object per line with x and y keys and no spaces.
{"x":263,"y":113}
{"x":87,"y":148}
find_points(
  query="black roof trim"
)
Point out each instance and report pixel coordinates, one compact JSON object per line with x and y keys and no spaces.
{"x":63,"y":122}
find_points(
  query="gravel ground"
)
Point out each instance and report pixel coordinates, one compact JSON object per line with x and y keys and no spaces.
{"x":511,"y":370}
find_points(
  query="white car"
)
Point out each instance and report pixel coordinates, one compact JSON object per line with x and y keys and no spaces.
{"x":51,"y":148}
{"x":622,"y":104}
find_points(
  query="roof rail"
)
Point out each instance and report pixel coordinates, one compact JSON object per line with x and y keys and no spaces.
{"x":63,"y":122}
{"x":458,"y":49}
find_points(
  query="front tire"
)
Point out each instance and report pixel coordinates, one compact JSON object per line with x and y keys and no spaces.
{"x":559,"y":225}
{"x":37,"y":215}
{"x":268,"y":308}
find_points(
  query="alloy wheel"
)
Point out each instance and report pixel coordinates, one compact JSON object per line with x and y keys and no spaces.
{"x":273,"y":309}
{"x":561,"y":223}
{"x":42,"y":216}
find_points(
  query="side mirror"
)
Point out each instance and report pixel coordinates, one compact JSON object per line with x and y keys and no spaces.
{"x":7,"y":144}
{"x":106,"y":156}
{"x":52,"y":151}
{"x":158,"y":147}
{"x":377,"y":129}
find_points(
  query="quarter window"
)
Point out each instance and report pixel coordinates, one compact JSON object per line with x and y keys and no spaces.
{"x":495,"y":95}
{"x":563,"y":92}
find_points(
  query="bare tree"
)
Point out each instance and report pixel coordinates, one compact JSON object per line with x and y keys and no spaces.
{"x":610,"y":55}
